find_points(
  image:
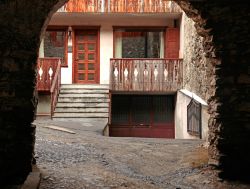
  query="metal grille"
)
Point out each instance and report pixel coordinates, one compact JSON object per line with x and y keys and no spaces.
{"x":194,"y":118}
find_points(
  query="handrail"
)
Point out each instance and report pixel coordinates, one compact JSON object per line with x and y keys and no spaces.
{"x":55,"y":79}
{"x":55,"y":88}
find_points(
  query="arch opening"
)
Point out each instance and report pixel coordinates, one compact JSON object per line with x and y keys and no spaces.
{"x":227,"y":97}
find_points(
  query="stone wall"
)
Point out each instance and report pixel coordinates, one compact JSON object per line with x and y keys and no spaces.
{"x":197,"y":73}
{"x":225,"y":29}
{"x":224,"y":26}
{"x":21,"y":24}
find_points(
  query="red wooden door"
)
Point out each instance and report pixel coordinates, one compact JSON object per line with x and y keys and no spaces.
{"x":86,"y":64}
{"x":172,"y":43}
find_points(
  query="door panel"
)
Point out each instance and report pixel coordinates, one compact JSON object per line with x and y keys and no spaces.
{"x":86,"y":63}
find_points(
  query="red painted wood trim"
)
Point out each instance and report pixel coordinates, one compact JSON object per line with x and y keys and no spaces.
{"x":98,"y":56}
{"x":73,"y":55}
{"x":148,"y":132}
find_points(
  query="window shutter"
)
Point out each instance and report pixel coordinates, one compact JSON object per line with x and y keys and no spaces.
{"x":172,"y":43}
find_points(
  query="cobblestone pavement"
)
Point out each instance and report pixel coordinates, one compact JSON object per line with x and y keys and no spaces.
{"x":88,"y":160}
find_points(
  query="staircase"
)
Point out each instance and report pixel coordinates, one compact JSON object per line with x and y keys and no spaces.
{"x":83,"y":102}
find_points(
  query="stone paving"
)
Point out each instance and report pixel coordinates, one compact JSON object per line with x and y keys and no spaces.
{"x":88,"y":160}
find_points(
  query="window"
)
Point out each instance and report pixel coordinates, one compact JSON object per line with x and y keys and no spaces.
{"x":194,"y":118}
{"x":55,"y":45}
{"x":139,"y":43}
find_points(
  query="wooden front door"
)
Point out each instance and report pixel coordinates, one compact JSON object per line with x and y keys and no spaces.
{"x":86,"y":55}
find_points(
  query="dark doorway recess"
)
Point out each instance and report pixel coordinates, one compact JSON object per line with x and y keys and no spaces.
{"x":142,"y":116}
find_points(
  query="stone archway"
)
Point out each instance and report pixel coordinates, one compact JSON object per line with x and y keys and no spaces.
{"x":226,"y":46}
{"x":224,"y":26}
{"x":22,"y":23}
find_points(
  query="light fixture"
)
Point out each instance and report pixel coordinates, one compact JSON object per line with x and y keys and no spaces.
{"x":69,"y":31}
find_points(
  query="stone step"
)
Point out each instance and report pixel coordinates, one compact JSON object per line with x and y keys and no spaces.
{"x":84,"y":91}
{"x":81,"y":86}
{"x":81,"y":110}
{"x":82,"y":105}
{"x":88,"y":121}
{"x":82,"y":100}
{"x":80,"y":115}
{"x":87,"y":102}
{"x":84,"y":95}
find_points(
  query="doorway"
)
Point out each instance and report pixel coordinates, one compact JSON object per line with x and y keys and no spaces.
{"x":86,"y":67}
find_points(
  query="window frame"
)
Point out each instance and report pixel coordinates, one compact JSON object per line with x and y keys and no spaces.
{"x":163,"y":28}
{"x":61,"y":29}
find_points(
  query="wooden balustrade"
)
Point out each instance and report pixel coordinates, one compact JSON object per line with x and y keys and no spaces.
{"x":49,"y":78}
{"x":152,"y":75}
{"x":120,"y":6}
{"x":46,"y":73}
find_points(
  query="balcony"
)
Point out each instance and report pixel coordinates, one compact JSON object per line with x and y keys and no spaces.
{"x":121,"y":6}
{"x":145,"y":75}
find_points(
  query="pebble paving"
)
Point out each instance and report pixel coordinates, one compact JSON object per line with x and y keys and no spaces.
{"x":88,"y":160}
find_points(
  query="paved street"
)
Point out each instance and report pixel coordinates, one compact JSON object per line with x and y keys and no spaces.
{"x":92,"y":161}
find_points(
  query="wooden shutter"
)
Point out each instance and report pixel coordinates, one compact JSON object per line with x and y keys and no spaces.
{"x":172,"y":43}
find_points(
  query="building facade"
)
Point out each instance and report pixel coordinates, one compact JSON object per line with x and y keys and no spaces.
{"x":133,"y":47}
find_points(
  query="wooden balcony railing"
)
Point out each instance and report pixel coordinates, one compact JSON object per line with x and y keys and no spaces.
{"x":152,"y":75}
{"x":49,"y":78}
{"x":121,"y":6}
{"x":46,"y":73}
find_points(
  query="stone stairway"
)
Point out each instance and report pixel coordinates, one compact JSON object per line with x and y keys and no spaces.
{"x":83,"y":102}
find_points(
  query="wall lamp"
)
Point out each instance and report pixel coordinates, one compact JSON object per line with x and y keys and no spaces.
{"x":69,"y":31}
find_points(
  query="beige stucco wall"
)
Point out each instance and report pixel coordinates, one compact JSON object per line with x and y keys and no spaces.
{"x":106,"y":23}
{"x":204,"y":121}
{"x":66,"y":72}
{"x":182,"y":101}
{"x":43,"y":106}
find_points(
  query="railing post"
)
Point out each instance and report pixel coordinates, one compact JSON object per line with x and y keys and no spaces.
{"x":51,"y":105}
